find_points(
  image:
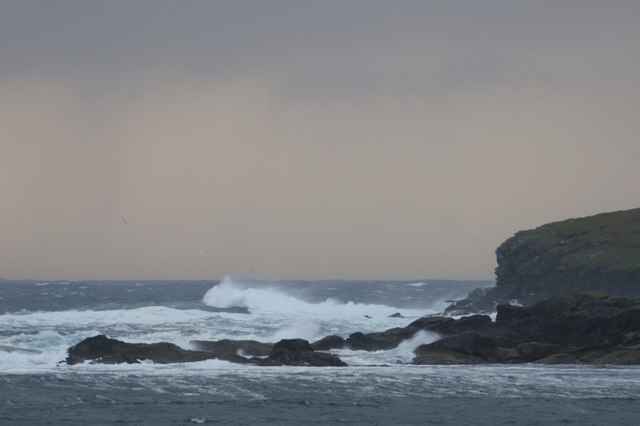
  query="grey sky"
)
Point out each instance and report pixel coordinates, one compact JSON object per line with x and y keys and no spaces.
{"x":359,"y":139}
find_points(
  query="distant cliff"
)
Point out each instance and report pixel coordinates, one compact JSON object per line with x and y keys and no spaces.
{"x":595,"y":253}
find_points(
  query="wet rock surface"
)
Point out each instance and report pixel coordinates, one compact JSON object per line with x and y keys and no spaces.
{"x":584,"y":328}
{"x":239,"y":351}
{"x":299,"y":352}
{"x":103,"y":350}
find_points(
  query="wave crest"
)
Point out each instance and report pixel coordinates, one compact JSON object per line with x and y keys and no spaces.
{"x":262,"y":298}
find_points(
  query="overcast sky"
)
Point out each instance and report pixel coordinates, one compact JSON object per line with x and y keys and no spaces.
{"x":291,"y":139}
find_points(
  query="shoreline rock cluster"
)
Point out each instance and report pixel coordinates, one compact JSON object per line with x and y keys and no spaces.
{"x":101,"y":349}
{"x":584,"y":328}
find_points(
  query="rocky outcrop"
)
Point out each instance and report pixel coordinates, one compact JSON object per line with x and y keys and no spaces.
{"x":596,"y":253}
{"x":238,"y":351}
{"x":329,"y":342}
{"x":103,"y":350}
{"x":585,"y":328}
{"x":299,"y":352}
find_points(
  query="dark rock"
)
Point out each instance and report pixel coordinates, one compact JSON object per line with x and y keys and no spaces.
{"x":329,"y":342}
{"x":505,"y":355}
{"x":294,"y":345}
{"x":299,"y":352}
{"x":537,"y":350}
{"x":379,"y":341}
{"x":477,"y":301}
{"x":393,"y":337}
{"x":396,"y":315}
{"x":581,"y":320}
{"x":434,"y":323}
{"x":234,"y":350}
{"x":477,"y":345}
{"x":560,"y":358}
{"x":360,"y":341}
{"x":620,"y":357}
{"x":443,"y":357}
{"x":584,"y":328}
{"x":103,"y":350}
{"x":448,"y":325}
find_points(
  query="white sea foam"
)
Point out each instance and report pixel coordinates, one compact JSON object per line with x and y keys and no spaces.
{"x":39,"y":340}
{"x":41,"y":350}
{"x":282,"y":315}
{"x":402,"y":354}
{"x":148,"y":315}
{"x":274,"y":301}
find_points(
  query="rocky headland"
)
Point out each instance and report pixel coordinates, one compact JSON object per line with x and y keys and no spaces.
{"x":575,"y":281}
{"x":595,"y":253}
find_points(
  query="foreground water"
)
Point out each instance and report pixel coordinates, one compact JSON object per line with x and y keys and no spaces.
{"x":38,"y":321}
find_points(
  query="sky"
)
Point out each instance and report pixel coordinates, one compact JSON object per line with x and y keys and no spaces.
{"x":361,"y":139}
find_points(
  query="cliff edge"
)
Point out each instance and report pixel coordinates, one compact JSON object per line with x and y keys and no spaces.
{"x":595,"y":253}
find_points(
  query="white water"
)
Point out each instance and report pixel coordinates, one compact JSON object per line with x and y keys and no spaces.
{"x":403,"y":354}
{"x":39,"y":340}
{"x":379,"y":390}
{"x":272,"y":301}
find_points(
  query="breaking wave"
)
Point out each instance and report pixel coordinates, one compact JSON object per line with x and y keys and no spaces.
{"x":270,"y":300}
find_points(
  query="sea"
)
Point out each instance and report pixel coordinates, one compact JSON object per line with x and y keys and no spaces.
{"x":40,"y":320}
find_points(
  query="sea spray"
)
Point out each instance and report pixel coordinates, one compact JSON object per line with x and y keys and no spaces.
{"x":39,"y":322}
{"x":266,"y":299}
{"x":37,"y":328}
{"x":402,"y":354}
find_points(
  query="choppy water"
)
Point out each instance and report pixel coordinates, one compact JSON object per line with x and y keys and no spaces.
{"x":38,"y":321}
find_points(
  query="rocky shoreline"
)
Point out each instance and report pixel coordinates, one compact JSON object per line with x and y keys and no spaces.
{"x":584,"y":328}
{"x":594,"y":253}
{"x":561,"y":272}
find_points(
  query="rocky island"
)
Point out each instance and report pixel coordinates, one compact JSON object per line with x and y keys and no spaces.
{"x":575,"y":283}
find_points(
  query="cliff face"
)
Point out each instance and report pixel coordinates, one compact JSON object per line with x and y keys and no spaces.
{"x":596,"y":253}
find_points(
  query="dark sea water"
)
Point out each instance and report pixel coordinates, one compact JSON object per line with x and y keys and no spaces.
{"x":38,"y":321}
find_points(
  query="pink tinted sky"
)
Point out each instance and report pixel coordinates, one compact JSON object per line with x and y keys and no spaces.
{"x":361,"y":139}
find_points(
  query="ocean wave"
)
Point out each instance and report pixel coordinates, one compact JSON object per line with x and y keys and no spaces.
{"x":264,"y":298}
{"x":402,"y":354}
{"x":147,"y":315}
